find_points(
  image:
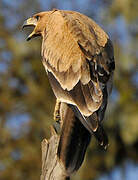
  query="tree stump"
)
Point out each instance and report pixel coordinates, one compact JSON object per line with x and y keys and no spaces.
{"x":52,"y":168}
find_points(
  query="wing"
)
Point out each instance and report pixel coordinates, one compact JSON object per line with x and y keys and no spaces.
{"x":78,"y":57}
{"x":94,"y":43}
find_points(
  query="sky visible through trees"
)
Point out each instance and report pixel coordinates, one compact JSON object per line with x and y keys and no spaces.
{"x":27,"y":101}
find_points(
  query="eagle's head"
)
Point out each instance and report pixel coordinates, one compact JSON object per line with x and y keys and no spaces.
{"x":38,"y":21}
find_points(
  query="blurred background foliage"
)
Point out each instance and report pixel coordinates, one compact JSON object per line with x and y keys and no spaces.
{"x":27,"y":101}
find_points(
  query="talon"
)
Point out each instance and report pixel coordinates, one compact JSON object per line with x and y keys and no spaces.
{"x":57,"y":111}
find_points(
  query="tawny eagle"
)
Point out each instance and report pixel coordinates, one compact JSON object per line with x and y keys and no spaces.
{"x":79,"y":60}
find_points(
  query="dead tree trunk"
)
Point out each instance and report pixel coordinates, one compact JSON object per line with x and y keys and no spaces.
{"x":52,"y":169}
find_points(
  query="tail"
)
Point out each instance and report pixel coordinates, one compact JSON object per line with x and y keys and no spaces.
{"x":93,"y":125}
{"x":74,"y":141}
{"x":101,"y":136}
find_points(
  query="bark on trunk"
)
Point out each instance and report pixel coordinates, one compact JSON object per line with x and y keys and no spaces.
{"x":52,"y":169}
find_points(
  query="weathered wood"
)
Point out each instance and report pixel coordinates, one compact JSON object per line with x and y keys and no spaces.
{"x":52,"y":168}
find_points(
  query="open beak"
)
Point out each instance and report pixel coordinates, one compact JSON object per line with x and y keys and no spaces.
{"x":30,"y":22}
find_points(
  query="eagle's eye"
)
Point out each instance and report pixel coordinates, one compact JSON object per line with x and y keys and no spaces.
{"x":37,"y":17}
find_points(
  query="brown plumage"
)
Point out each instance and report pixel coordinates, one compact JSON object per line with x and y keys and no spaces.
{"x":78,"y":57}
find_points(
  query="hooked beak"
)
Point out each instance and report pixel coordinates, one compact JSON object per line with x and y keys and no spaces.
{"x":30,"y":22}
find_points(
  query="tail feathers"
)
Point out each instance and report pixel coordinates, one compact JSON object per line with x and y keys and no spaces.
{"x":74,"y":141}
{"x":93,"y":125}
{"x":98,"y":129}
{"x":101,"y":136}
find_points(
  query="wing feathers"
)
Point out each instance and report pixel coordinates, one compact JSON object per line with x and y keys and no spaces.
{"x":81,"y":95}
{"x":92,"y":100}
{"x":71,"y":38}
{"x":67,"y":79}
{"x":64,"y":50}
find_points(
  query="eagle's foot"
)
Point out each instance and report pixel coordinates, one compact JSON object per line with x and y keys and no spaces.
{"x":57,"y":117}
